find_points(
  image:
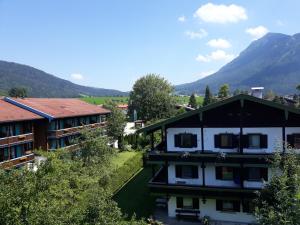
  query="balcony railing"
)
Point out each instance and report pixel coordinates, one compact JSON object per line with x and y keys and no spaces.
{"x":159,"y":157}
{"x":159,"y":184}
{"x":28,"y":157}
{"x":16,"y":139}
{"x":73,"y":130}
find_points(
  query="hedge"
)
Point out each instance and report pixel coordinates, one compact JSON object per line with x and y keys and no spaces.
{"x":122,"y":174}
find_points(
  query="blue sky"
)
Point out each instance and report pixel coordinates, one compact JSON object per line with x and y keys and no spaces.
{"x":110,"y":43}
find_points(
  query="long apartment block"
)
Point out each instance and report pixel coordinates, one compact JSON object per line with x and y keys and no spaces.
{"x":43,"y":123}
{"x":212,"y":160}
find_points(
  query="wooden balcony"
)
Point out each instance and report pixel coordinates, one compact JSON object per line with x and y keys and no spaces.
{"x":159,"y":185}
{"x":73,"y":130}
{"x":16,"y":139}
{"x":28,"y":157}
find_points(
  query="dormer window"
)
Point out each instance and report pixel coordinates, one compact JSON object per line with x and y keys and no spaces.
{"x":185,"y":140}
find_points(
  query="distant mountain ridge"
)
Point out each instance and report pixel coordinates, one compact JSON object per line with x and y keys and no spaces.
{"x":272,"y":62}
{"x":41,"y":84}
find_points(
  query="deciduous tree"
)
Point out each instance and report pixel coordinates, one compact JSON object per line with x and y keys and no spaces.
{"x":152,"y":98}
{"x":224,"y":91}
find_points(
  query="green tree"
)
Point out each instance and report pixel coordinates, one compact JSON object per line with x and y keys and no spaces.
{"x":237,"y":92}
{"x":193,"y":101}
{"x":279,"y":203}
{"x":152,"y":98}
{"x":18,"y":92}
{"x":116,"y":123}
{"x":208,"y":98}
{"x":224,"y":91}
{"x":298,"y":87}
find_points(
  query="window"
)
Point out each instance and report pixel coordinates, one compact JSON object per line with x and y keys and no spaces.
{"x":224,"y":173}
{"x":297,"y":141}
{"x":187,"y":203}
{"x":254,"y":140}
{"x":248,"y":206}
{"x":226,"y":140}
{"x":185,"y":140}
{"x":228,"y":205}
{"x":256,"y":174}
{"x":186,"y":171}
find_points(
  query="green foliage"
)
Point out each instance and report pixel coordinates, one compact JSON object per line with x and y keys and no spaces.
{"x":126,"y":171}
{"x":277,"y":203}
{"x":193,"y":101}
{"x":93,"y":148}
{"x":298,"y":87}
{"x":208,"y":99}
{"x":66,"y":189}
{"x":18,"y":92}
{"x":152,"y":98}
{"x":104,"y":100}
{"x":224,"y":91}
{"x":116,"y":123}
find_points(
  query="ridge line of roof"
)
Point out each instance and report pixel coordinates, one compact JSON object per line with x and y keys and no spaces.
{"x":220,"y":103}
{"x":28,"y":108}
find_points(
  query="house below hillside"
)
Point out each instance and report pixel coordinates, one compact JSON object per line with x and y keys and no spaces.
{"x":213,"y":159}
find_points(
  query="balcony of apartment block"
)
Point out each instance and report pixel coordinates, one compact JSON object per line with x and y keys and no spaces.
{"x":159,"y":184}
{"x":74,"y":130}
{"x":159,"y":154}
{"x":18,"y":139}
{"x":19,"y":161}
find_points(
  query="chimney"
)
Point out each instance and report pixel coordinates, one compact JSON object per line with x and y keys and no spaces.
{"x":257,"y":92}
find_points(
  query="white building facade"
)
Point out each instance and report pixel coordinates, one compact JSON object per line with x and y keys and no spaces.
{"x":215,"y":158}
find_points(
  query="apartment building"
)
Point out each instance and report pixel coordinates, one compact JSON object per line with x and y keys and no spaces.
{"x":49,"y":124}
{"x":212,"y":160}
{"x":16,"y":135}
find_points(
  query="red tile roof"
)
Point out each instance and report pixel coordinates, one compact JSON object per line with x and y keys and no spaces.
{"x":10,"y":112}
{"x":62,"y":107}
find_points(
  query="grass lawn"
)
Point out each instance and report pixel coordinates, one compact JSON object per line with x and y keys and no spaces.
{"x":122,"y":157}
{"x":102,"y":100}
{"x":135,"y":197}
{"x":124,"y":100}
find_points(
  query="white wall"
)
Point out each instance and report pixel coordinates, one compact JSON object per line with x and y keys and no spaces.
{"x":171,"y":139}
{"x":274,"y":139}
{"x":209,"y":138}
{"x":210,"y":176}
{"x":209,"y":209}
{"x":173,"y":180}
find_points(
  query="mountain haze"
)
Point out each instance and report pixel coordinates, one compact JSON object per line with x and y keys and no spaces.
{"x":272,"y":62}
{"x":41,"y":84}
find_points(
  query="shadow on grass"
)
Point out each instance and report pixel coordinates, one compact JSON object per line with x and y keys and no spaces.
{"x":135,"y":196}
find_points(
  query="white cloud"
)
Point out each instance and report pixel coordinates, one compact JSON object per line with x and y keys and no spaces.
{"x":221,"y":13}
{"x":181,"y":19}
{"x":205,"y":74}
{"x":257,"y":32}
{"x":77,"y":76}
{"x":196,"y":35}
{"x":219,"y":43}
{"x":218,"y":55}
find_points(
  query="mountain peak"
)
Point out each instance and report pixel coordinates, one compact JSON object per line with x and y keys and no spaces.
{"x":272,"y":61}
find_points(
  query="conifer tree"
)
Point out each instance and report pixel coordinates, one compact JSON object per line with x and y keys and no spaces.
{"x":208,"y":98}
{"x":193,"y":101}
